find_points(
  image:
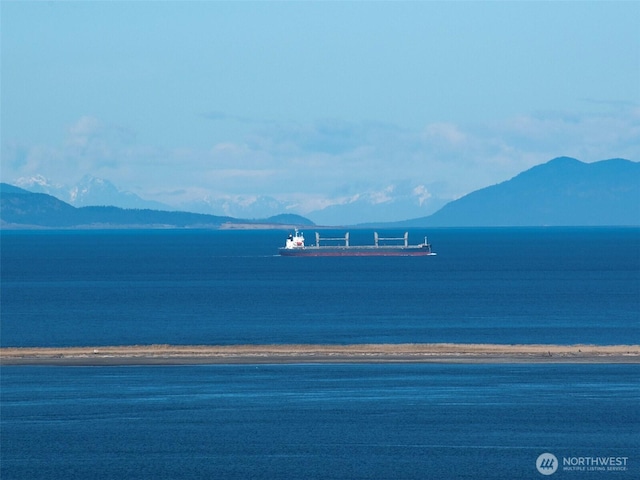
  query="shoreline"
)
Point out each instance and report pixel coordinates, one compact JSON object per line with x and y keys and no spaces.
{"x":311,"y":353}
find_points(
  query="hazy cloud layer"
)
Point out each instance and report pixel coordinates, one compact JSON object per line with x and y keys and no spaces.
{"x":329,"y":161}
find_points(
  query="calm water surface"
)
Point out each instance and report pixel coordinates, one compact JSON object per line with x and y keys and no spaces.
{"x":193,"y":287}
{"x":317,"y":421}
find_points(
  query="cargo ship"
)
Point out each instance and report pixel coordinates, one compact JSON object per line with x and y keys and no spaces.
{"x":399,"y":247}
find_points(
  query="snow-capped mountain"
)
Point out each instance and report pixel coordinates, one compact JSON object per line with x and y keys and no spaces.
{"x":40,"y":184}
{"x":388,"y":205}
{"x":239,"y":206}
{"x":392,"y":203}
{"x":89,"y":191}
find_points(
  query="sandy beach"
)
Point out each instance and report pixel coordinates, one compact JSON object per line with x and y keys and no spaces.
{"x":307,"y":353}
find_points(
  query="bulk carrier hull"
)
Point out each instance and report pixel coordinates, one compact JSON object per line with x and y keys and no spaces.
{"x":295,"y":247}
{"x":371,"y":251}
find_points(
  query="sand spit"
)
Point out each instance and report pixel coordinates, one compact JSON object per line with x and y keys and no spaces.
{"x":305,"y":353}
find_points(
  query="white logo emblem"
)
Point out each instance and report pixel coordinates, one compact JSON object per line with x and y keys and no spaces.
{"x":547,"y":464}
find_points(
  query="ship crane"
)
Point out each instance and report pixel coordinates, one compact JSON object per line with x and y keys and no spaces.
{"x":344,"y":239}
{"x":377,"y":239}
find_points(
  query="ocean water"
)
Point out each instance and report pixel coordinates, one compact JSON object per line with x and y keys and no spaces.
{"x":538,"y":285}
{"x":344,"y":421}
{"x":353,"y":421}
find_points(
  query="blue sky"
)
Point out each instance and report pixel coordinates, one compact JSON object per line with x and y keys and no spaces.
{"x":314,"y":103}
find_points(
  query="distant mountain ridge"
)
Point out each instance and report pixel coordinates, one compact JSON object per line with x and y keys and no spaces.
{"x":89,"y":191}
{"x":378,"y":205}
{"x":20,"y":208}
{"x":562,"y":192}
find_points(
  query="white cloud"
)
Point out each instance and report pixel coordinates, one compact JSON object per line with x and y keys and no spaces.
{"x":80,"y":133}
{"x":382,"y":196}
{"x":243,"y":174}
{"x":229,"y":148}
{"x":422,"y":193}
{"x":589,"y":137}
{"x":445,"y":132}
{"x":91,"y":137}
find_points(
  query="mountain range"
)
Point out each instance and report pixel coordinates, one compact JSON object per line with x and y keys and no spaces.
{"x":20,"y":208}
{"x":379,"y":206}
{"x":563,"y":191}
{"x":89,"y":191}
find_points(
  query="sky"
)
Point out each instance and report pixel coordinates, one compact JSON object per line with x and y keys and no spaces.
{"x":314,"y":103}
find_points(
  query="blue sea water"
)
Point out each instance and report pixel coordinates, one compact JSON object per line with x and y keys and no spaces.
{"x":546,"y":285}
{"x":411,"y":421}
{"x":538,"y":285}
